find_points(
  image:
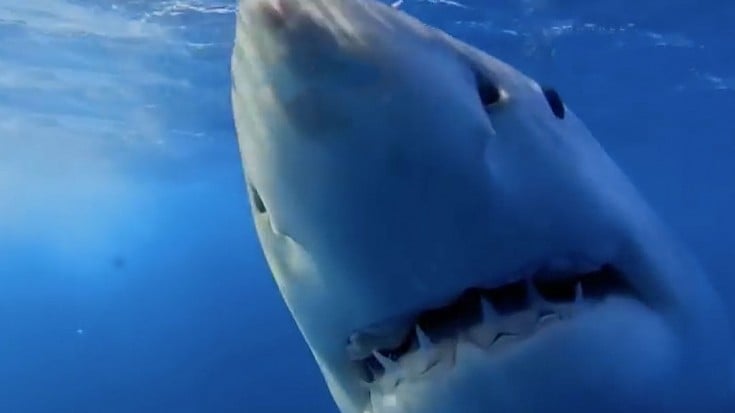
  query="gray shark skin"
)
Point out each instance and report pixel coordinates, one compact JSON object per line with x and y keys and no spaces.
{"x":448,"y":235}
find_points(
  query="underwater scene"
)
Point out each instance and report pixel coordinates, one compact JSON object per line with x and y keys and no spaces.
{"x":363,"y":206}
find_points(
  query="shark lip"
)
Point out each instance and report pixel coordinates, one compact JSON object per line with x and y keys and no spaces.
{"x":491,"y":318}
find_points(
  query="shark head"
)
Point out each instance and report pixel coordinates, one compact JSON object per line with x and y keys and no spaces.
{"x":449,"y":236}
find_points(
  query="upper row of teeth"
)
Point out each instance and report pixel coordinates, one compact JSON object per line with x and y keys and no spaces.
{"x":493,"y":330}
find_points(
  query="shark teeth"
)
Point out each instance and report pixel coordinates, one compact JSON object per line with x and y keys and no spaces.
{"x":413,"y":347}
{"x":392,"y":371}
{"x":578,"y":296}
{"x":425,"y":344}
{"x":489,"y":315}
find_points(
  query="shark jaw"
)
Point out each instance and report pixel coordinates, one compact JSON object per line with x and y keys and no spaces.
{"x":514,"y":333}
{"x":489,"y":318}
{"x":449,"y":236}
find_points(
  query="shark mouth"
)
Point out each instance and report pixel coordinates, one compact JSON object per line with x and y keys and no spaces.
{"x":491,"y":318}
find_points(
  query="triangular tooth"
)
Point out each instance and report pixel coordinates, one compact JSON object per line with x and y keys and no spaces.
{"x":533,"y":293}
{"x":425,"y":343}
{"x":489,"y":315}
{"x":389,"y":365}
{"x":427,"y":354}
{"x":578,"y":293}
{"x":537,"y":301}
{"x":393,"y":373}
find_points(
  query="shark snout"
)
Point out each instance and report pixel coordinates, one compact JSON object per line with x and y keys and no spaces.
{"x":296,"y":24}
{"x":284,"y":14}
{"x":307,"y":20}
{"x":272,"y":13}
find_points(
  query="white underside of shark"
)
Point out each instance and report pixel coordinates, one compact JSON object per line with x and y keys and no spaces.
{"x":449,"y":237}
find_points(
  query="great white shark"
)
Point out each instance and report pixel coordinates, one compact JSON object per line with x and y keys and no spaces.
{"x":447,"y":234}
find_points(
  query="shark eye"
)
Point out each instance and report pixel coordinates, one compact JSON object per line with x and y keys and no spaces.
{"x":257,"y":200}
{"x":489,"y":93}
{"x":555,"y":102}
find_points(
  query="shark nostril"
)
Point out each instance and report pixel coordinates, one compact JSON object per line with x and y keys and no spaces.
{"x":555,"y":102}
{"x":258,"y":203}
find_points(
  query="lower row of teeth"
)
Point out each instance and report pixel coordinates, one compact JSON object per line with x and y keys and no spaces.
{"x":492,"y":333}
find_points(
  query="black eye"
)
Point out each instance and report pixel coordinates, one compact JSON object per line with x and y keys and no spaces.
{"x":555,"y":102}
{"x":257,"y":200}
{"x":489,"y":93}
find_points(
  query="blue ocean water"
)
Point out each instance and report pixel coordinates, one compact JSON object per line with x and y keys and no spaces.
{"x":130,"y":276}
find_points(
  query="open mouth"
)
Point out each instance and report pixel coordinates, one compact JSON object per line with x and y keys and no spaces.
{"x":491,"y":318}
